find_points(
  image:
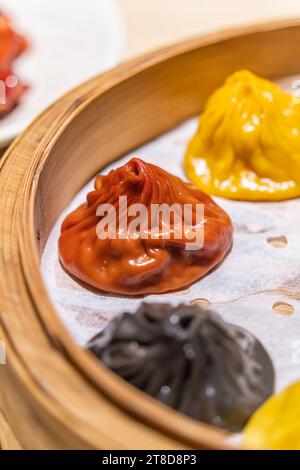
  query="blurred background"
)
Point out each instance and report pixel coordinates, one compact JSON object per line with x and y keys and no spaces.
{"x":70,"y":41}
{"x":153,"y":23}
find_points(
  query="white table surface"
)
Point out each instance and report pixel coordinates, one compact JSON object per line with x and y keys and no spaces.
{"x":154,"y":23}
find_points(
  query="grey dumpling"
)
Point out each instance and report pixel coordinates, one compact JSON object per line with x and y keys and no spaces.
{"x":191,"y":360}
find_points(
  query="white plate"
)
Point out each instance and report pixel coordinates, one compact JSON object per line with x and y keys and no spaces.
{"x":71,"y":40}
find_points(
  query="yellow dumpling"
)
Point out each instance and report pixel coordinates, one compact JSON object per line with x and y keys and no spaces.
{"x":247,"y":145}
{"x":276,"y":424}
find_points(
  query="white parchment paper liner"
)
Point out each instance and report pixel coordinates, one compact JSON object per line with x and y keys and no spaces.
{"x":243,"y":289}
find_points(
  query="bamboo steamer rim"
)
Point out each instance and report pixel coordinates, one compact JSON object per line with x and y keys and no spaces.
{"x":64,"y":392}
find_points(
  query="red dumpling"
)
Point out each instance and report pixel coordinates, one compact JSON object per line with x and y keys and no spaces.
{"x":146,"y":261}
{"x":11,"y":44}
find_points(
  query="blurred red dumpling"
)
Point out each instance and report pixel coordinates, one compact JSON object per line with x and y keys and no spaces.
{"x":12,"y":91}
{"x":11,"y":44}
{"x":134,"y":264}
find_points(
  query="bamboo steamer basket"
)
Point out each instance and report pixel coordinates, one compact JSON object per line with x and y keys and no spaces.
{"x":53,"y":394}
